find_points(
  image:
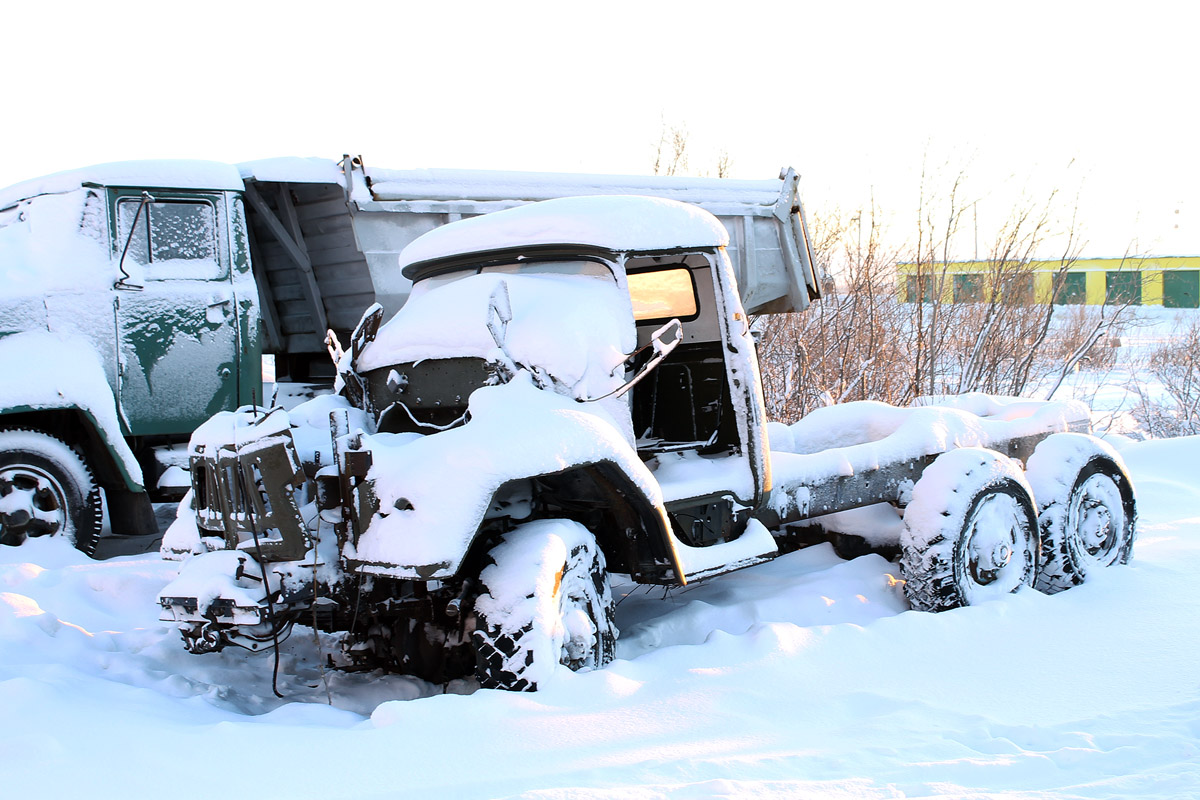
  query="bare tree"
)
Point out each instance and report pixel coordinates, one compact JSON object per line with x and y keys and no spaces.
{"x":674,"y":154}
{"x":671,"y":154}
{"x":724,"y":164}
{"x":1097,"y":326}
{"x":997,"y":327}
{"x":845,"y":346}
{"x":1176,"y":366}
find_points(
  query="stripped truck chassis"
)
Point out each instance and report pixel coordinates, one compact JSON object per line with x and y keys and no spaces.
{"x":388,"y":514}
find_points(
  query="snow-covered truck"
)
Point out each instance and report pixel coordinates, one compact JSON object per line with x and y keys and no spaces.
{"x":571,"y":389}
{"x":139,"y":298}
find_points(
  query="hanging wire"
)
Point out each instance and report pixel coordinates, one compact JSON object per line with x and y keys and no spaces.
{"x":262,"y":566}
{"x":317,"y":633}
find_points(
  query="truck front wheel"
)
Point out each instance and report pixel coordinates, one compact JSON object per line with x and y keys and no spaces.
{"x":545,"y":602}
{"x":970,"y":531}
{"x":46,"y":489}
{"x":1088,"y":513}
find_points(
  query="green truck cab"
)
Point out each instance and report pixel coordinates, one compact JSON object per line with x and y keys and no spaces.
{"x":129,"y":316}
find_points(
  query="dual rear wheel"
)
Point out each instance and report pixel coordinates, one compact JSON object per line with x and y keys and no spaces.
{"x":972,"y":531}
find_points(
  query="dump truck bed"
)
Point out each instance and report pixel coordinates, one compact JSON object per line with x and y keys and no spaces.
{"x":326,"y":240}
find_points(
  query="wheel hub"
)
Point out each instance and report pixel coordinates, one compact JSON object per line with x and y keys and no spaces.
{"x":1096,"y":529}
{"x":32,"y":503}
{"x":1093,"y":515}
{"x":986,"y":568}
{"x":579,"y":635}
{"x":991,"y":544}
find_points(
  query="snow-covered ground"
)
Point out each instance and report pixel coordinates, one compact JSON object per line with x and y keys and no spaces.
{"x":803,"y":677}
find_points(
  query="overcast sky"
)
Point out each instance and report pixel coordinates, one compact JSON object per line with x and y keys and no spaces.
{"x":1095,"y":100}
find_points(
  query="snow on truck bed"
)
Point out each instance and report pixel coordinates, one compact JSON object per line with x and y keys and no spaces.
{"x":852,"y":438}
{"x":800,"y":678}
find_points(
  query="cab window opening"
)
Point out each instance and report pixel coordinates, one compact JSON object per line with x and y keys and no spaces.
{"x":663,"y":294}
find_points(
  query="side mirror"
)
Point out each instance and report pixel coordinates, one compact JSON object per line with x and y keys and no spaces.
{"x":662,"y":342}
{"x":499,"y":315}
{"x":366,"y":330}
{"x":353,"y":386}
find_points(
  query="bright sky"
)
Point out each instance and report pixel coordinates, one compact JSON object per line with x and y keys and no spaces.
{"x":1094,"y":99}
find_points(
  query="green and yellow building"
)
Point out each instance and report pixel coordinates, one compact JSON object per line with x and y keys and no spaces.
{"x":1170,"y":281}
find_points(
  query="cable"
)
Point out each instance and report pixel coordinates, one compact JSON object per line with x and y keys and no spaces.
{"x":262,"y":566}
{"x":317,"y":633}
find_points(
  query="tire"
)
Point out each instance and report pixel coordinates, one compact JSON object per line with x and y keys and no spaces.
{"x":970,"y":531}
{"x":46,"y":489}
{"x":1088,"y":517}
{"x":544,"y":602}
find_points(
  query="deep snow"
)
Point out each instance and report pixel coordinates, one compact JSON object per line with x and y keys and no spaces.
{"x":803,"y":677}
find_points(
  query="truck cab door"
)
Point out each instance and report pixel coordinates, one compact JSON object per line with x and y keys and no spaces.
{"x":696,"y":419}
{"x":177,"y":319}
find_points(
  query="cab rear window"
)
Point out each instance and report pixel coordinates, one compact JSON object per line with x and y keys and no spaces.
{"x":663,"y":294}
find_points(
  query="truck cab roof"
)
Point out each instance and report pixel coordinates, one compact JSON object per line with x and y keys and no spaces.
{"x":614,"y":223}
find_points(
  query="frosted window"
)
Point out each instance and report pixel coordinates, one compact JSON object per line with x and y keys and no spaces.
{"x":172,"y":239}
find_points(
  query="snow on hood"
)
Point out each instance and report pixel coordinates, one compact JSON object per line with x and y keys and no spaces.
{"x":578,"y":328}
{"x":434,"y":490}
{"x":55,"y":242}
{"x":161,"y":173}
{"x":619,"y":222}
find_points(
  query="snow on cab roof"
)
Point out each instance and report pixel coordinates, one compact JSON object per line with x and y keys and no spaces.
{"x":611,"y":222}
{"x":292,"y":169}
{"x":159,"y":173}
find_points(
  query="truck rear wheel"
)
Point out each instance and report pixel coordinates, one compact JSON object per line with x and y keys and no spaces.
{"x":545,"y":602}
{"x":970,"y":531}
{"x":1088,"y":512}
{"x":46,"y":489}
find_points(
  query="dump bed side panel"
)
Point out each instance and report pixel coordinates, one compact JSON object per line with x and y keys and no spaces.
{"x":325,"y":245}
{"x":768,"y":239}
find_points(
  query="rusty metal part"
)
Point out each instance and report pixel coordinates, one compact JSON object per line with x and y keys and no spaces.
{"x":353,"y":462}
{"x":252,"y":481}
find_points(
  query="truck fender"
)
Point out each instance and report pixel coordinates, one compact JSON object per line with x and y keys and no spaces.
{"x":434,"y":492}
{"x":62,"y":373}
{"x":632,"y":528}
